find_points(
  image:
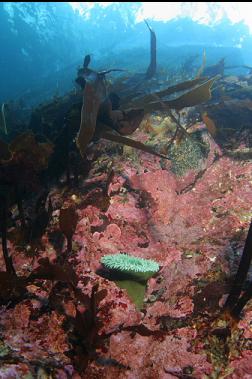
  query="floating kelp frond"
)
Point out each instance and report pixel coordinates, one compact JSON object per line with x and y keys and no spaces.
{"x":217,"y":69}
{"x":84,"y":73}
{"x":168,"y":91}
{"x":180,"y":87}
{"x":151,"y":71}
{"x":202,"y":67}
{"x":87,"y":60}
{"x":194,"y":97}
{"x":92,"y":99}
{"x":3,"y":119}
{"x":129,"y":142}
{"x":124,"y":122}
{"x":111,"y":70}
{"x":131,"y":121}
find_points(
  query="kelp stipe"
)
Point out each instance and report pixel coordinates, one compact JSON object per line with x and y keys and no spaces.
{"x":3,"y":125}
{"x":233,"y":304}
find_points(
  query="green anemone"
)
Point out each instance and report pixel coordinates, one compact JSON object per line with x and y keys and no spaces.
{"x":140,"y":268}
{"x":131,"y":273}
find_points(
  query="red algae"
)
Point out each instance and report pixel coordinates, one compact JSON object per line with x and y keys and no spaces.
{"x":193,"y":226}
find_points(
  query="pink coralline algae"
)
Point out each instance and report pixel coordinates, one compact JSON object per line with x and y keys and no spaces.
{"x":189,"y":227}
{"x":241,"y":367}
{"x":193,"y":226}
{"x":168,"y":356}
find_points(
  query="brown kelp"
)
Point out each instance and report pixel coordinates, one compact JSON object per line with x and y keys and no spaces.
{"x":98,"y":115}
{"x":197,"y":95}
{"x":209,"y":124}
{"x":145,"y":99}
{"x":127,"y":87}
{"x":19,"y":174}
{"x":3,"y":119}
{"x":233,"y":303}
{"x":153,"y":54}
{"x":91,"y":101}
{"x":217,"y":69}
{"x":3,"y":223}
{"x":67,"y":221}
{"x":129,"y":142}
{"x":202,"y":67}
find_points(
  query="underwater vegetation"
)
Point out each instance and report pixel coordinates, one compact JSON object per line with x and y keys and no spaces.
{"x":3,"y":119}
{"x":234,"y":302}
{"x":176,"y":196}
{"x":99,"y":119}
{"x":187,"y":155}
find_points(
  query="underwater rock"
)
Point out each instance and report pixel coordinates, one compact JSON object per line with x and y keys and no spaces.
{"x":21,"y":328}
{"x":190,"y":214}
{"x":171,"y":353}
{"x":242,"y":366}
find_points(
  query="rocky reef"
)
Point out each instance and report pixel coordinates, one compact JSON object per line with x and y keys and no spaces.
{"x":180,"y":195}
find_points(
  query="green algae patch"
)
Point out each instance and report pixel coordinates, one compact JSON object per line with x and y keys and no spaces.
{"x":188,"y":155}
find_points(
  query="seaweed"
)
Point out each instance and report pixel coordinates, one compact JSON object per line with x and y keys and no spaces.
{"x":187,"y":155}
{"x":234,"y":303}
{"x":68,"y":221}
{"x":97,"y":115}
{"x":217,"y":69}
{"x":140,"y":101}
{"x":3,"y":125}
{"x":42,"y":216}
{"x":153,"y":54}
{"x":210,"y":124}
{"x":132,"y":143}
{"x":202,"y":67}
{"x":91,"y":103}
{"x":197,"y":95}
{"x":3,"y":223}
{"x":19,"y":175}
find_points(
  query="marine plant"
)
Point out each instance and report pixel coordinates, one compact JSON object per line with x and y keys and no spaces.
{"x":131,"y":273}
{"x":3,"y":119}
{"x":187,"y":155}
{"x":68,"y":221}
{"x":100,"y":120}
{"x":101,"y":116}
{"x":235,"y":301}
{"x":21,"y":163}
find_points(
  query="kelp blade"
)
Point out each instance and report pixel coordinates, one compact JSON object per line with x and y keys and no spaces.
{"x":3,"y":119}
{"x":194,"y":97}
{"x":132,"y":143}
{"x":168,"y":91}
{"x":89,"y":111}
{"x":203,"y":65}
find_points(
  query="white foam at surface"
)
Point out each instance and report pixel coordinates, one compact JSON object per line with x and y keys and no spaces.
{"x":208,"y":13}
